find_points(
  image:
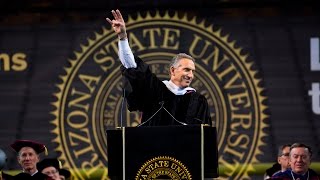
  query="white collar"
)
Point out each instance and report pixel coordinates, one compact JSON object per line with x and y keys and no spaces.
{"x":175,"y":89}
{"x":32,"y":173}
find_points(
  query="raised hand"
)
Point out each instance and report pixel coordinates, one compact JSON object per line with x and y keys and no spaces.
{"x":118,"y":24}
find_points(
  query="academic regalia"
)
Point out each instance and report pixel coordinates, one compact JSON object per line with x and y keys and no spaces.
{"x":19,"y":144}
{"x":24,"y":176}
{"x":48,"y":162}
{"x":276,"y":167}
{"x":37,"y":147}
{"x":6,"y":176}
{"x":64,"y":172}
{"x":53,"y":162}
{"x":146,"y":93}
{"x":290,"y":175}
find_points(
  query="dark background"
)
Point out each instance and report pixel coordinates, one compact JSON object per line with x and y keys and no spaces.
{"x":276,"y":34}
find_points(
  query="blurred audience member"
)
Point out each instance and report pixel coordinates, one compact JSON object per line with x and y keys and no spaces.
{"x":300,"y":160}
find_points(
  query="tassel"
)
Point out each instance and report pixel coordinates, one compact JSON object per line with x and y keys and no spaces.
{"x":45,"y":151}
{"x":60,"y":164}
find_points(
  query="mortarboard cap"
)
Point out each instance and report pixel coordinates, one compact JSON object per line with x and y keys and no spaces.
{"x":38,"y":147}
{"x":48,"y":162}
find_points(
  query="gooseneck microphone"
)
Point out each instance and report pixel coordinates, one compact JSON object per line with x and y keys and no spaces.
{"x":161,"y":107}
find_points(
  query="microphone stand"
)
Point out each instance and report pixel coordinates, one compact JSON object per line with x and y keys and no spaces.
{"x":161,"y":107}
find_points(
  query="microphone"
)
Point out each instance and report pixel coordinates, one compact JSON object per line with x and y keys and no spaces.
{"x":161,"y":107}
{"x":174,"y":117}
{"x":201,"y":122}
{"x":198,"y":120}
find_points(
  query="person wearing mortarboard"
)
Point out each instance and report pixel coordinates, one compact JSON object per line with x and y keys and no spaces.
{"x":28,"y":156}
{"x":50,"y":167}
{"x":64,"y":174}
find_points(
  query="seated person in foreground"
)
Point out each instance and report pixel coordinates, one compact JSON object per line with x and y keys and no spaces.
{"x":300,"y":160}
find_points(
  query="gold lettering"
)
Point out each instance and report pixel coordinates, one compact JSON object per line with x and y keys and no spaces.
{"x":76,"y":138}
{"x":178,"y":169}
{"x":215,"y":57}
{"x":226,"y":71}
{"x":197,"y":45}
{"x":77,"y":116}
{"x":6,"y":61}
{"x":156,"y":165}
{"x":155,"y":68}
{"x":231,"y":84}
{"x":76,"y":102}
{"x":170,"y":38}
{"x":239,"y":101}
{"x":232,"y":151}
{"x":135,"y":43}
{"x":151,"y":32}
{"x":245,"y":139}
{"x":113,"y":45}
{"x":19,"y":62}
{"x":106,"y":62}
{"x":243,"y":119}
{"x":115,"y":98}
{"x":91,"y":167}
{"x":151,"y":167}
{"x":88,"y":80}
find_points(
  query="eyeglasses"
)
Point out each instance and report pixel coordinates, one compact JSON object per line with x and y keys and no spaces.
{"x":285,"y":154}
{"x":50,"y":172}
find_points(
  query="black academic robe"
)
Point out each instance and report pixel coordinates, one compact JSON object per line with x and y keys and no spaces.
{"x":290,"y":175}
{"x":145,"y":93}
{"x":276,"y":167}
{"x":24,"y":176}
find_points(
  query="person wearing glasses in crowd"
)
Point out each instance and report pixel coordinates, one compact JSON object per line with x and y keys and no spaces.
{"x":300,"y":160}
{"x":282,"y":163}
{"x":50,"y":167}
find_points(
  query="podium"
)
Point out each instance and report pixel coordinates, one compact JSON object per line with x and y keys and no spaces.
{"x":170,"y":152}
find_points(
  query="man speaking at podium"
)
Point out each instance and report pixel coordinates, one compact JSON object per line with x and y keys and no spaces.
{"x":162,"y":103}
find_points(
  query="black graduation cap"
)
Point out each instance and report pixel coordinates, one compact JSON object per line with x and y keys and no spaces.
{"x":65,"y":173}
{"x":48,"y":162}
{"x":38,"y":147}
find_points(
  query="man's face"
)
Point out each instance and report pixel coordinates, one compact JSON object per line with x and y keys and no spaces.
{"x":299,"y":160}
{"x":52,"y":173}
{"x":283,"y":160}
{"x":28,"y":159}
{"x":182,"y":75}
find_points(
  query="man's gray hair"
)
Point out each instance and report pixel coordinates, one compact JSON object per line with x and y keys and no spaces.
{"x":296,"y":145}
{"x":178,"y":57}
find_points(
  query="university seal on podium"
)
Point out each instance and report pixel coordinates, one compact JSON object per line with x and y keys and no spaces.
{"x":163,"y":167}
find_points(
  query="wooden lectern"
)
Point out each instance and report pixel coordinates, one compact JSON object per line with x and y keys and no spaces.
{"x":170,"y":152}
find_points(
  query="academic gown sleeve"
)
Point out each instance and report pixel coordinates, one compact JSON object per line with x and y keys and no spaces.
{"x":142,"y":87}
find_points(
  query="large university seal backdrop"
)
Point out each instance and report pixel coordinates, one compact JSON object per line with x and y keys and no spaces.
{"x":89,"y":100}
